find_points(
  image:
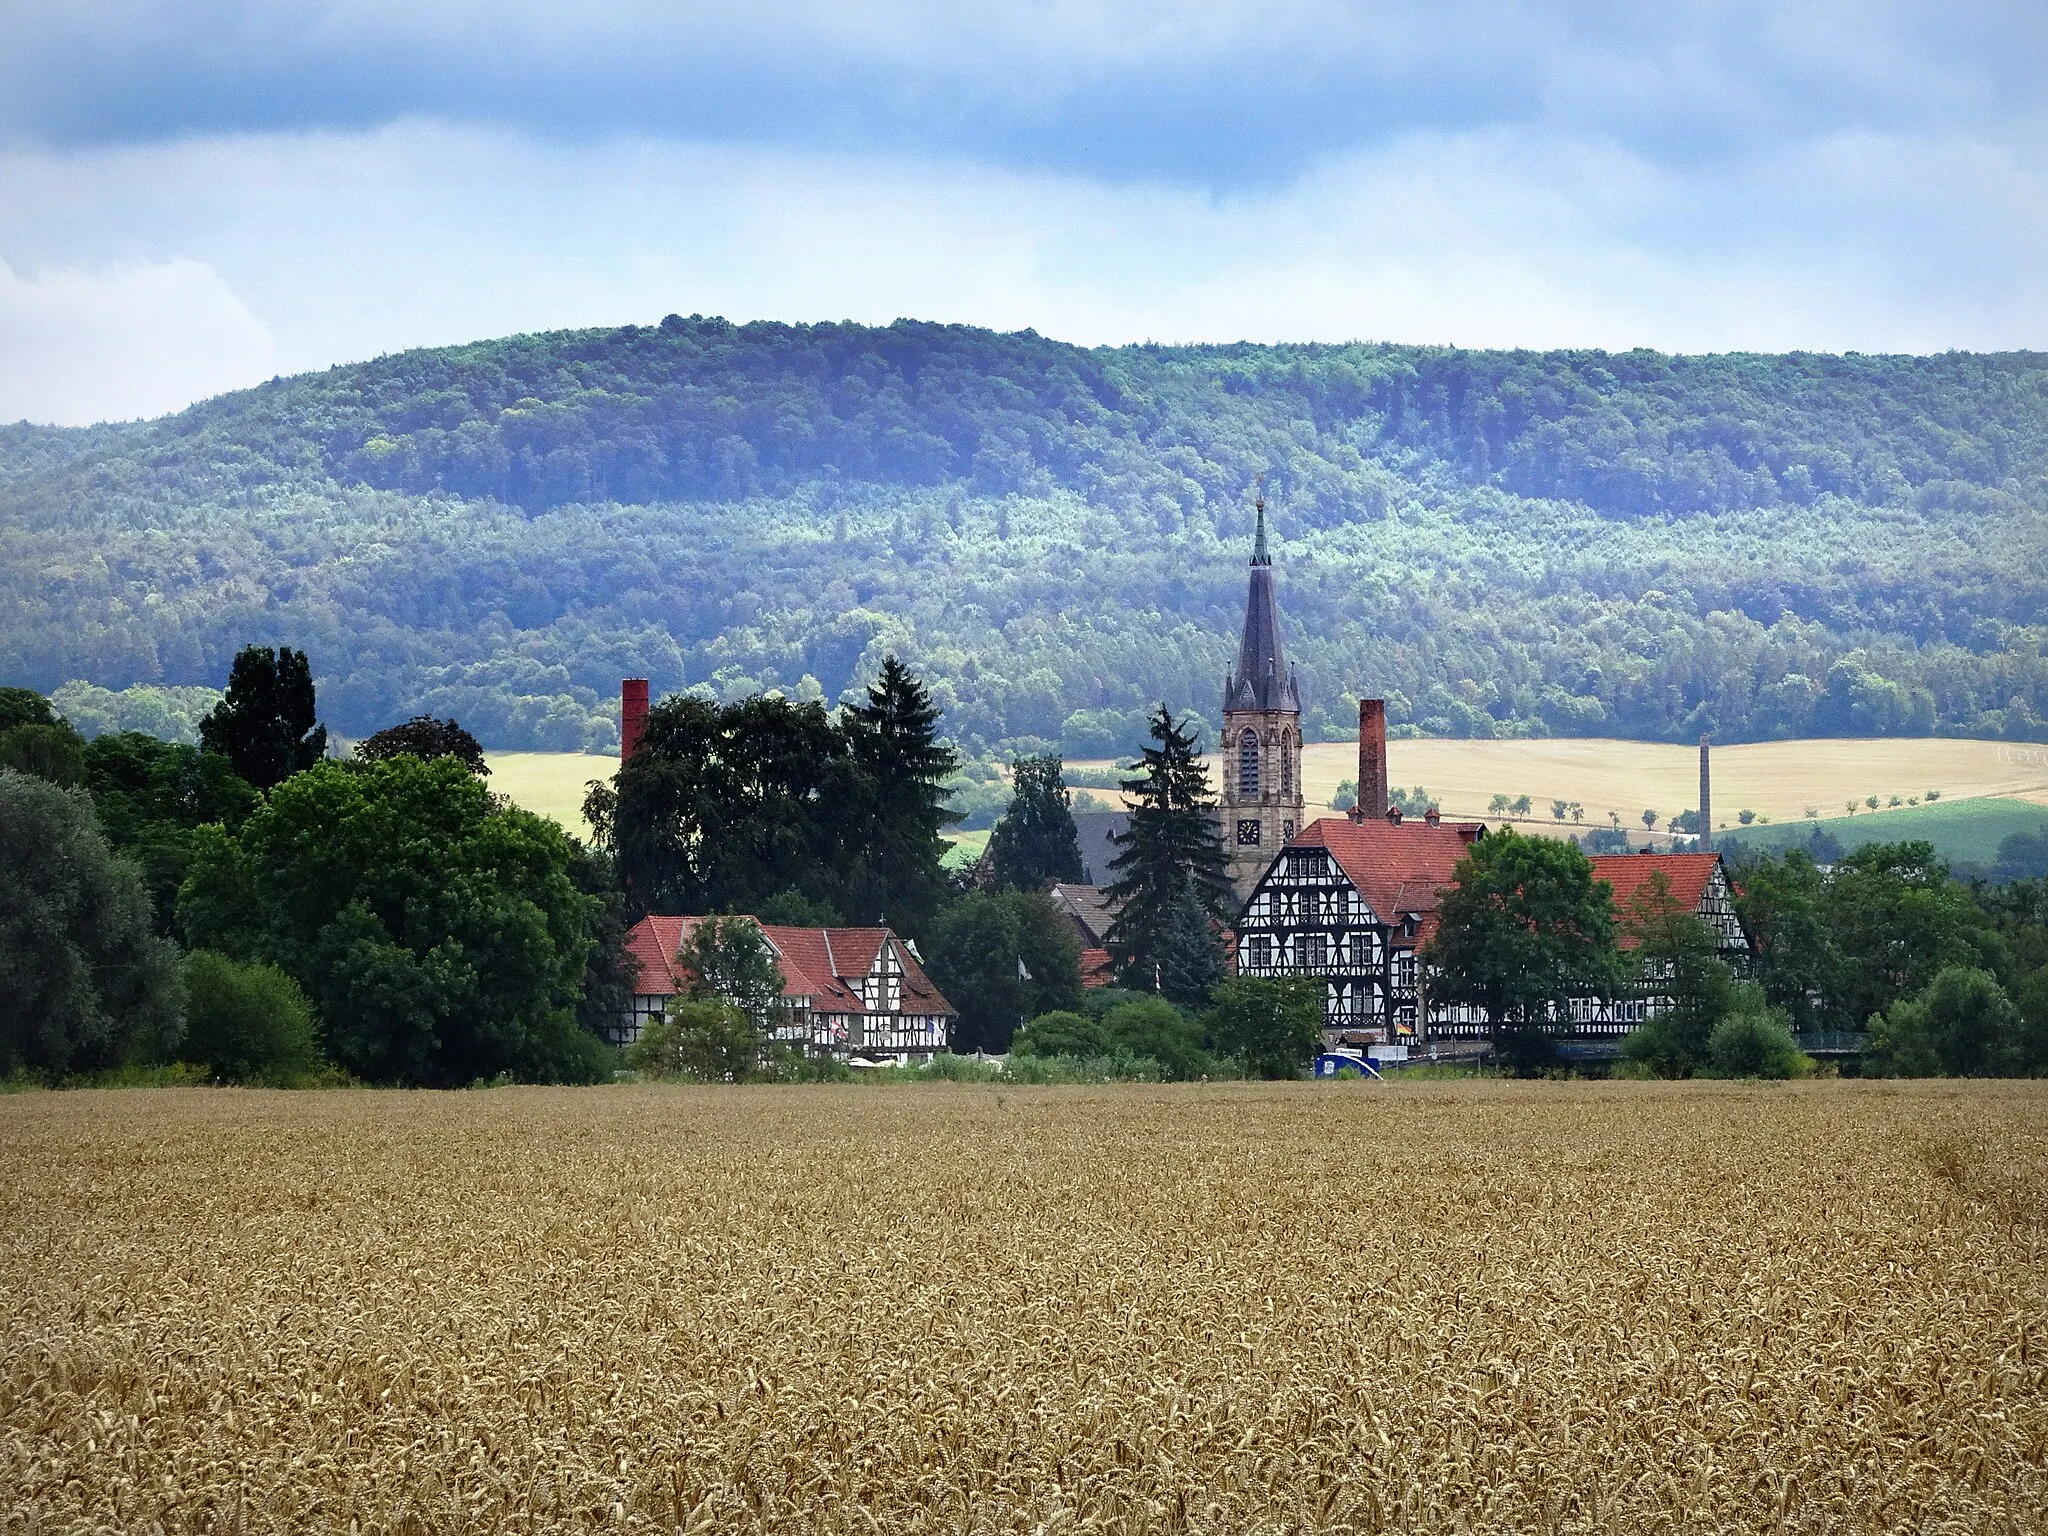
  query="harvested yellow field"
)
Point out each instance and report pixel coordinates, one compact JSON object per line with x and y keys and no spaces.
{"x":549,"y":784}
{"x":1778,"y":779}
{"x":1233,"y":1308}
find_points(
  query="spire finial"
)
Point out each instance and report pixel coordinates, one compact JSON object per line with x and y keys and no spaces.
{"x":1259,"y":555}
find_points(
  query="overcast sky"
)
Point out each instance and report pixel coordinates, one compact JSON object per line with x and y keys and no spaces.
{"x":197,"y":195}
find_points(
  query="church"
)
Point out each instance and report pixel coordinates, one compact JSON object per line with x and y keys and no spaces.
{"x":1352,"y":899}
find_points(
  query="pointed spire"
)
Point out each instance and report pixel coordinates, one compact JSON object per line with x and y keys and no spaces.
{"x":1259,"y":554}
{"x":1263,"y":680}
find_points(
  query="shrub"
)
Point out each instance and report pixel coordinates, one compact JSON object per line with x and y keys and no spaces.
{"x":1153,"y":1027}
{"x":248,"y":1023}
{"x":1273,"y":1027}
{"x":1755,"y":1041}
{"x":1062,"y":1033}
{"x":699,"y":1041}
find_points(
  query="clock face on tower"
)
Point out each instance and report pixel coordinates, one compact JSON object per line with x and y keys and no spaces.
{"x":1247,"y":834}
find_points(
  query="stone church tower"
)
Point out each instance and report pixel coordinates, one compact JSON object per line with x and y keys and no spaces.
{"x":1261,"y":804}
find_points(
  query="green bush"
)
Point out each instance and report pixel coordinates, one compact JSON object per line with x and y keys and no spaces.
{"x":248,"y":1023}
{"x":1152,"y":1027}
{"x":1273,"y":1027}
{"x":1062,"y":1033}
{"x":699,"y":1041}
{"x":1755,"y":1041}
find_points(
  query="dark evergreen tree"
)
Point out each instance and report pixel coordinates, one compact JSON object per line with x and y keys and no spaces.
{"x":424,"y":737}
{"x":266,"y":725}
{"x":1035,"y":843}
{"x":1170,"y":888}
{"x":1524,"y":930}
{"x":903,"y":765}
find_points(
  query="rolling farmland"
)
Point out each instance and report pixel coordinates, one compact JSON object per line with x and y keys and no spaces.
{"x":1778,"y":779}
{"x":1578,"y":1308}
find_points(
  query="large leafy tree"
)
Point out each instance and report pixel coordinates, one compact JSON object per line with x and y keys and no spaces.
{"x":722,"y":807}
{"x":1678,"y":966}
{"x":1897,"y":920}
{"x":903,"y":767}
{"x":266,"y":725}
{"x":35,"y":739}
{"x":85,"y":981}
{"x":1035,"y":842}
{"x":1781,"y":902}
{"x":1170,"y":888}
{"x":438,"y":932}
{"x":152,"y":797}
{"x":1001,"y":958}
{"x":1523,"y":930}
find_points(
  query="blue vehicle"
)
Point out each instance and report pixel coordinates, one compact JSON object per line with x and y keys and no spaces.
{"x":1332,"y":1063}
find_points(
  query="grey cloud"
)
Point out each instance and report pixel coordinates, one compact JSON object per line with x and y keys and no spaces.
{"x":1217,"y":95}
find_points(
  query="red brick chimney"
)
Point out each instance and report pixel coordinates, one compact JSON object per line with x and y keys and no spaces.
{"x":1372,"y":756}
{"x":632,"y":715}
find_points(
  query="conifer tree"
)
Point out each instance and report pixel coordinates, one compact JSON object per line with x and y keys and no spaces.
{"x":1171,"y":889}
{"x":1035,"y":843}
{"x":904,"y":766}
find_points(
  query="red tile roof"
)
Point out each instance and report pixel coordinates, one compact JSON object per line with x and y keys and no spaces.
{"x":1398,"y":869}
{"x":1095,"y":969}
{"x":822,"y":965}
{"x":1628,"y":873}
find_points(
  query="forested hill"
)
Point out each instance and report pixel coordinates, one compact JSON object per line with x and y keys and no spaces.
{"x":1503,"y":543}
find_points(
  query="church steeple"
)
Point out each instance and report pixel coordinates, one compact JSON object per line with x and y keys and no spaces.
{"x":1262,"y":680}
{"x":1261,"y":803}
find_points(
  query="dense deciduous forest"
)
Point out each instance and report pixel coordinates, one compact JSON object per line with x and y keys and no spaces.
{"x":1500,"y":543}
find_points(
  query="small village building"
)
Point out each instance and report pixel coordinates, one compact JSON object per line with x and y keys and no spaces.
{"x":1352,"y":901}
{"x":1091,"y":912}
{"x":858,"y":994}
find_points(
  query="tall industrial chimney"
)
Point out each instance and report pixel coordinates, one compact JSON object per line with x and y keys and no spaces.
{"x":632,"y":715}
{"x":1706,"y":799}
{"x":1372,"y":757}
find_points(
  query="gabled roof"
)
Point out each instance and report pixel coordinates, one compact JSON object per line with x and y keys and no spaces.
{"x":1397,"y":869}
{"x":822,"y":967}
{"x":1689,"y":875}
{"x":1088,"y":907}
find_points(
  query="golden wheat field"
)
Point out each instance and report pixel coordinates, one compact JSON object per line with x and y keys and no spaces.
{"x":1232,"y":1308}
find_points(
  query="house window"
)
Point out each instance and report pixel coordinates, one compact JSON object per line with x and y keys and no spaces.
{"x":1258,"y":952}
{"x":1302,"y":864}
{"x":1248,"y":834}
{"x":1315,"y":951}
{"x":1248,"y":763}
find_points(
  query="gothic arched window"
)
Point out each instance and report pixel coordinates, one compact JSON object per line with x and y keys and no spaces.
{"x":1287,"y":763}
{"x":1248,"y":763}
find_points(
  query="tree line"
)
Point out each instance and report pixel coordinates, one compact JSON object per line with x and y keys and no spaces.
{"x":278,"y":914}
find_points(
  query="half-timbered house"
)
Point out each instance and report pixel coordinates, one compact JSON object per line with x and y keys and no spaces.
{"x":853,"y":993}
{"x":1351,"y":901}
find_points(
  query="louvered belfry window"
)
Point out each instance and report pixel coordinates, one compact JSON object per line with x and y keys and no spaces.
{"x":1248,"y":763}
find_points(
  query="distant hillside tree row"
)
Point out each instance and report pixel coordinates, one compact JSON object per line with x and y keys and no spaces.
{"x":1499,"y":543}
